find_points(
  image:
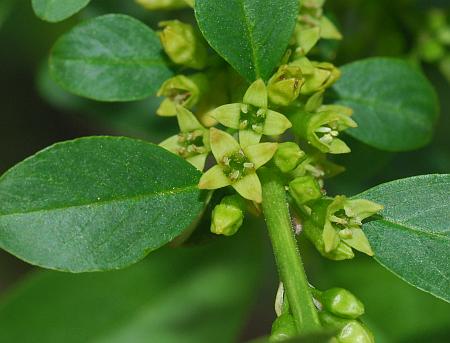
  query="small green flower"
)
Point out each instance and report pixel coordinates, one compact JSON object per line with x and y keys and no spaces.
{"x":341,"y":303}
{"x":163,"y":4}
{"x":343,"y":223}
{"x":288,"y":156}
{"x":252,"y":117}
{"x":228,"y":216}
{"x":321,"y":129}
{"x":334,"y":226}
{"x":181,"y":90}
{"x":183,"y":44}
{"x":192,"y":143}
{"x":236,"y":165}
{"x":284,"y":86}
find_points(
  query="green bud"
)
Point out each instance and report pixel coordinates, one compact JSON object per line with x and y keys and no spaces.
{"x":288,"y":156}
{"x":183,"y":44}
{"x":355,"y":331}
{"x":163,"y":4}
{"x":321,"y":129}
{"x":342,"y":303}
{"x":283,"y":327}
{"x":181,"y":90}
{"x":284,"y":86}
{"x":325,"y":74}
{"x":304,"y":189}
{"x":228,"y":216}
{"x":350,"y":331}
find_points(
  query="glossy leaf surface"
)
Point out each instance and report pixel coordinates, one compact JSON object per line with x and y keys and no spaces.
{"x":96,"y":203}
{"x":109,"y":58}
{"x":412,"y":237}
{"x":394,"y":105}
{"x":56,"y":10}
{"x":251,"y":35}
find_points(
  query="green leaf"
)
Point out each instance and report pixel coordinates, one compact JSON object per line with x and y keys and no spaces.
{"x":57,"y":10}
{"x":412,"y":238}
{"x":109,"y":58}
{"x":96,"y":203}
{"x":195,"y":295}
{"x":394,"y":104}
{"x":251,"y":35}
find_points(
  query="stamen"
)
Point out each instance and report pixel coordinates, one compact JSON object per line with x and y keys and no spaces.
{"x":338,"y":220}
{"x":326,"y":139}
{"x":323,"y":129}
{"x":346,"y":233}
{"x":243,"y":124}
{"x":249,"y":165}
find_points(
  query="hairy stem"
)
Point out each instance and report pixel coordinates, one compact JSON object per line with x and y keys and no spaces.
{"x":288,"y":259}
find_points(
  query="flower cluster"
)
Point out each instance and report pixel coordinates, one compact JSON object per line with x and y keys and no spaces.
{"x":282,"y":123}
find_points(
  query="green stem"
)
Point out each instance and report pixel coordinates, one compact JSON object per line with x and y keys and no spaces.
{"x":288,"y":259}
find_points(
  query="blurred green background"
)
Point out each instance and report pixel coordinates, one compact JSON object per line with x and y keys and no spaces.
{"x":224,"y":289}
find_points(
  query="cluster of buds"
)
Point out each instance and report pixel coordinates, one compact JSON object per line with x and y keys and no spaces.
{"x":312,"y":25}
{"x":333,"y":225}
{"x":340,"y":310}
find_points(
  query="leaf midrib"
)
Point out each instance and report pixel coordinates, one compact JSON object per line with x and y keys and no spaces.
{"x":249,"y":32}
{"x":106,"y":201}
{"x":413,"y":229}
{"x":111,"y":62}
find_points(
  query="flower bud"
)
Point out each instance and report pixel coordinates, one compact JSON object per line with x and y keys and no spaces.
{"x":350,"y":331}
{"x":228,"y":216}
{"x":282,"y":328}
{"x":181,"y":90}
{"x":183,"y":44}
{"x":288,"y":156}
{"x":284,"y":86}
{"x":325,"y":74}
{"x":304,"y":189}
{"x":163,"y":4}
{"x":342,"y":303}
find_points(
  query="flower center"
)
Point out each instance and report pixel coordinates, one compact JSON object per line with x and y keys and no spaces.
{"x":237,"y":165}
{"x":191,"y":143}
{"x":327,"y":133}
{"x":179,"y":96}
{"x":252,"y":117}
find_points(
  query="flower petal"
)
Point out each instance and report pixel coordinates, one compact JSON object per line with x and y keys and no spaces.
{"x":249,"y":137}
{"x":359,"y":242}
{"x":167,"y":108}
{"x":249,"y":187}
{"x":330,"y":237}
{"x":256,"y":94}
{"x":198,"y":161}
{"x":275,"y":123}
{"x":222,"y":143}
{"x":338,"y":146}
{"x":187,"y":120}
{"x":170,"y":144}
{"x":260,"y":154}
{"x":228,"y":115}
{"x":214,"y":178}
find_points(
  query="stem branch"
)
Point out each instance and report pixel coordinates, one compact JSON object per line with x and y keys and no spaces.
{"x":288,"y":259}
